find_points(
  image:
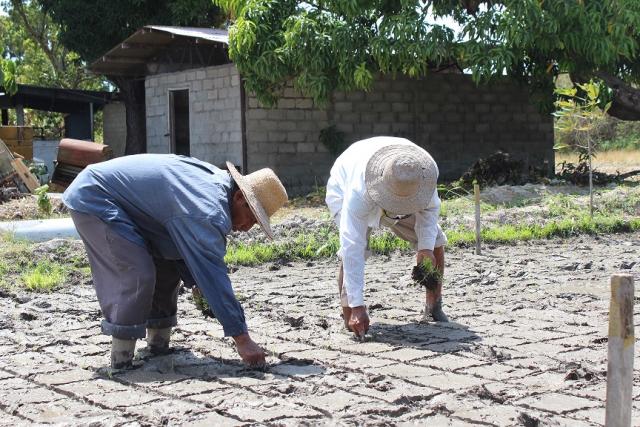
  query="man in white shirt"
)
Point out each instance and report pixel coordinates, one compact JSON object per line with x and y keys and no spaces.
{"x":384,"y":181}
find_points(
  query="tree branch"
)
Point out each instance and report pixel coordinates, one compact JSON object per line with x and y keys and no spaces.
{"x":626,"y":98}
{"x":38,"y":37}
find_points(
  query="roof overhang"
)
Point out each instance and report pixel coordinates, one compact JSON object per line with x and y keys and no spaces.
{"x":147,"y":49}
{"x":55,"y":99}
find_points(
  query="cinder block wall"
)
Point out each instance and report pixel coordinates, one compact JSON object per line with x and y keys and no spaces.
{"x":214,"y":112}
{"x":115,"y":127}
{"x":286,"y":139}
{"x":446,"y":114}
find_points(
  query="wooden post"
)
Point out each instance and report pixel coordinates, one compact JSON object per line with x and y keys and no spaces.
{"x":19,"y":115}
{"x":621,"y":342}
{"x":476,"y":192}
{"x":590,"y":180}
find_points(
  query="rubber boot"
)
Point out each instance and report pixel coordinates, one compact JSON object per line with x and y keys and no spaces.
{"x":436,"y":311}
{"x":122,"y":353}
{"x":158,"y":340}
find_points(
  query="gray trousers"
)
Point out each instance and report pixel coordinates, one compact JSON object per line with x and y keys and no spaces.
{"x":404,"y":229}
{"x":135,"y":290}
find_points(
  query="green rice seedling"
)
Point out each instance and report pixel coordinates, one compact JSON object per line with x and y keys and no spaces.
{"x":201,"y":303}
{"x":426,"y":274}
{"x":386,"y":243}
{"x":44,"y":277}
{"x":252,"y":254}
{"x":561,"y":205}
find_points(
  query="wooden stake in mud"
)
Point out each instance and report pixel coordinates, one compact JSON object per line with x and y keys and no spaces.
{"x":476,"y":192}
{"x":621,"y":342}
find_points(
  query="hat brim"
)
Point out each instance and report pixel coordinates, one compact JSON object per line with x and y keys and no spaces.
{"x":249,"y":195}
{"x":378,"y":189}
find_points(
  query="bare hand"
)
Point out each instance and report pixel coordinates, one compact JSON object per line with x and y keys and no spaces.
{"x":359,"y":321}
{"x":425,"y":253}
{"x":250,"y":352}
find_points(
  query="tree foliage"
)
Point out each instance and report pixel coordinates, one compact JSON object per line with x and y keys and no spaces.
{"x":93,"y":27}
{"x":342,"y":44}
{"x":8,"y":76}
{"x":31,"y":40}
{"x":32,"y":54}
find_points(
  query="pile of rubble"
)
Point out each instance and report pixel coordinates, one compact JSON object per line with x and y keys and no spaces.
{"x":9,"y":193}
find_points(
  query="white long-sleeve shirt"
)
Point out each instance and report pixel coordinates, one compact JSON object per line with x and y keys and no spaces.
{"x":354,"y":211}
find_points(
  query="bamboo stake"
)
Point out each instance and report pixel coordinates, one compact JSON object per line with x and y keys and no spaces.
{"x":476,"y":192}
{"x":590,"y":179}
{"x":620,"y":361}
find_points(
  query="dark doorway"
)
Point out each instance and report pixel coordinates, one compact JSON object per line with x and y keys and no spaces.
{"x":179,"y":121}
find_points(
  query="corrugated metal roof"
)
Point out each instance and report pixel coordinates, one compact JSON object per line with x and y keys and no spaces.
{"x":157,"y":44}
{"x":213,"y":34}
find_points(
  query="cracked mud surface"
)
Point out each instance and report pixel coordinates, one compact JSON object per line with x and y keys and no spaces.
{"x":527,"y":346}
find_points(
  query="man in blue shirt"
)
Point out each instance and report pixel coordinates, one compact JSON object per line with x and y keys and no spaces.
{"x":149,"y":220}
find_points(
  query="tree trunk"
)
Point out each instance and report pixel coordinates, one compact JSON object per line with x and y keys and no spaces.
{"x":626,"y":98}
{"x":132,"y":92}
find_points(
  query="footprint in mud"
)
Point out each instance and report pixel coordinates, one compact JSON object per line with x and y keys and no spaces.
{"x":527,"y":420}
{"x":27,"y":316}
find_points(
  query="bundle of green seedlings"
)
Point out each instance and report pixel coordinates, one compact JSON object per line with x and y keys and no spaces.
{"x":201,"y":303}
{"x":426,"y":274}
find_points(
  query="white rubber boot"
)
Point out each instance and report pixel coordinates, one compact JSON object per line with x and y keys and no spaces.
{"x":158,"y":340}
{"x":435,"y":312}
{"x":122,"y":353}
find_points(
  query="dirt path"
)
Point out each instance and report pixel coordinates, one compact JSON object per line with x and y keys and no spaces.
{"x":527,"y":344}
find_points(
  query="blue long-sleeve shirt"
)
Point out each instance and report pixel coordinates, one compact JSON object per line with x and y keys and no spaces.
{"x":177,"y":207}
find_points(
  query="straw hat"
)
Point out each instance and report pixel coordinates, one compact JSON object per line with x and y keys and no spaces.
{"x":264,"y":193}
{"x":401,"y":178}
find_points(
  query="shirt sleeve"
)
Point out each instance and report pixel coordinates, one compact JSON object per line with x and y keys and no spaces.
{"x":427,"y":224}
{"x":353,"y":243}
{"x":203,"y":246}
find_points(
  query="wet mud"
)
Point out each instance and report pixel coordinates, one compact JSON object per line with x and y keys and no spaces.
{"x":526,"y":345}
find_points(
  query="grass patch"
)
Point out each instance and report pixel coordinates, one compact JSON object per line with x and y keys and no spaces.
{"x":326,"y":244}
{"x":20,"y":269}
{"x":302,"y":246}
{"x":567,"y":227}
{"x":44,"y":276}
{"x":4,"y":268}
{"x":386,"y":243}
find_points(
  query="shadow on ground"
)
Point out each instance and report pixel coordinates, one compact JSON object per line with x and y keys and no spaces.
{"x":182,"y":363}
{"x":437,"y":337}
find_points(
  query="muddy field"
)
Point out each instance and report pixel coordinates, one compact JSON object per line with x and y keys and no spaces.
{"x":527,"y":345}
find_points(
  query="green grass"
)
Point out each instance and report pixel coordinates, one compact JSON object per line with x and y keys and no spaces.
{"x":325,"y":245}
{"x":4,"y":268}
{"x":622,"y":143}
{"x":303,"y":246}
{"x":18,"y":268}
{"x":44,"y":276}
{"x":567,"y":227}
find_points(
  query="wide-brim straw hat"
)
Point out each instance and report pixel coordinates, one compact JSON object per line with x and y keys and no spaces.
{"x":264,"y":193}
{"x":401,"y":178}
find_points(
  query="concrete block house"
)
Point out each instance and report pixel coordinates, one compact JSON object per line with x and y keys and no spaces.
{"x":196,"y":104}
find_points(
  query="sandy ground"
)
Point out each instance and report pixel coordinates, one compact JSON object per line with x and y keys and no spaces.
{"x":527,"y":345}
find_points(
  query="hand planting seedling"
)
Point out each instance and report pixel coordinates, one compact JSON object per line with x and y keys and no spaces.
{"x":426,"y":274}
